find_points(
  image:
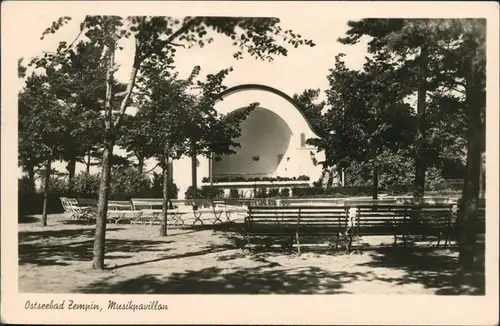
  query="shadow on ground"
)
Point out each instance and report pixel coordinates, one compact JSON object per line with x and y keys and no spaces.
{"x":211,"y":280}
{"x":63,"y":254}
{"x":437,"y":270}
{"x":67,"y":234}
{"x":433,"y":270}
{"x":24,"y":219}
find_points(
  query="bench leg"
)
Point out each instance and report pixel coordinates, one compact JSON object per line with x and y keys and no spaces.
{"x":337,"y":242}
{"x":439,"y":240}
{"x":217,"y":218}
{"x":298,"y":243}
{"x":349,"y":242}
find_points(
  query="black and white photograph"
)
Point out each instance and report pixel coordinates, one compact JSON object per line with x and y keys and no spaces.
{"x":224,"y":152}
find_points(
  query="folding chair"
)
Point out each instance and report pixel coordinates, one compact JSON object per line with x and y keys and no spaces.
{"x":79,"y":212}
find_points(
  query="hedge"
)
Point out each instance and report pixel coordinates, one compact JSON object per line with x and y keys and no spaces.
{"x":253,"y":179}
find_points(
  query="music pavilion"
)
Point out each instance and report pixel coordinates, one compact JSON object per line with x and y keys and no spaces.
{"x":273,"y":144}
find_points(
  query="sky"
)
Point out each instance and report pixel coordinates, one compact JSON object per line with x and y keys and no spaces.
{"x":303,"y":67}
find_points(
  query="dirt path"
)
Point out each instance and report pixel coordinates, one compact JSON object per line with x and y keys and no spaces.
{"x":57,"y":259}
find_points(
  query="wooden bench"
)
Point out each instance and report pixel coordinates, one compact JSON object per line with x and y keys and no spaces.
{"x":180,"y":207}
{"x":211,"y":207}
{"x":480,"y":220}
{"x":152,"y":209}
{"x":292,"y":223}
{"x":402,"y":220}
{"x":123,"y":211}
{"x":231,"y":207}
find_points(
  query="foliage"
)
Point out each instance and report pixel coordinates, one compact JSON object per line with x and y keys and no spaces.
{"x":273,"y":192}
{"x":40,"y":124}
{"x":366,"y":191}
{"x":189,"y":193}
{"x":157,"y":188}
{"x":129,"y":181}
{"x":163,"y":99}
{"x":87,"y":184}
{"x":154,"y":39}
{"x":312,"y":109}
{"x":261,"y":193}
{"x":312,"y":192}
{"x":254,"y":179}
{"x":212,"y":192}
{"x":126,"y":183}
{"x":233,"y":193}
{"x":57,"y":185}
{"x":24,"y":185}
{"x":285,"y":193}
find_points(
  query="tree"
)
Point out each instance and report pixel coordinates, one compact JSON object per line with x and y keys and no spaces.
{"x":39,"y":130}
{"x":155,"y":41}
{"x":312,"y":108}
{"x":447,"y":58}
{"x":472,"y":77}
{"x":415,"y":43}
{"x":165,"y":98}
{"x":135,"y":138}
{"x":369,"y":117}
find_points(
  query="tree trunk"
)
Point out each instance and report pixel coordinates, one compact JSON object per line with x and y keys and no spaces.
{"x":194,"y":168}
{"x":420,"y":159}
{"x":164,"y":222}
{"x":375,"y":182}
{"x":482,"y":183}
{"x":71,"y":167}
{"x":31,"y":178}
{"x":102,"y":206}
{"x":109,"y":139}
{"x":46,"y":193}
{"x":468,"y":210}
{"x":140,"y":165}
{"x":87,"y":168}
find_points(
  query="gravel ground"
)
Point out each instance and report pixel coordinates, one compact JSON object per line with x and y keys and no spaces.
{"x":57,"y":259}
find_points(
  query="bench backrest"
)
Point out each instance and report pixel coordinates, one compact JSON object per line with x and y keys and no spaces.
{"x":157,"y":203}
{"x":146,"y":203}
{"x":86,"y":201}
{"x":382,"y":217}
{"x":299,"y":216}
{"x":312,"y":202}
{"x":119,"y":205}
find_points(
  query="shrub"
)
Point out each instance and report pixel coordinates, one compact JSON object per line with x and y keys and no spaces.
{"x":129,"y":181}
{"x":125,"y":184}
{"x":273,"y":192}
{"x":350,"y":191}
{"x":250,"y":179}
{"x":189,"y":193}
{"x":212,"y":192}
{"x":233,"y":193}
{"x":57,"y":185}
{"x":261,"y":193}
{"x":24,"y":185}
{"x":87,"y":185}
{"x":285,"y":193}
{"x":157,"y":187}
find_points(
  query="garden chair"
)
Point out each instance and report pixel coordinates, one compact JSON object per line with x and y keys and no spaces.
{"x":115,"y":216}
{"x":75,"y":211}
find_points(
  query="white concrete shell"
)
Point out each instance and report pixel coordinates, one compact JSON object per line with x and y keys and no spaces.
{"x":272,"y":141}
